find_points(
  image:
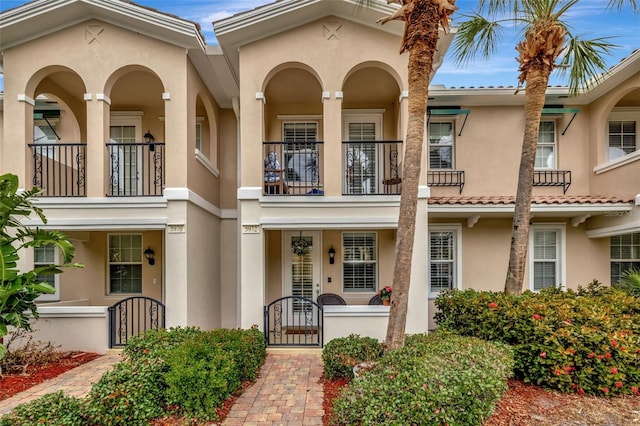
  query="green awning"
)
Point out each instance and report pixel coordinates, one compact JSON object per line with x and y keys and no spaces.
{"x":561,"y":111}
{"x":451,"y":112}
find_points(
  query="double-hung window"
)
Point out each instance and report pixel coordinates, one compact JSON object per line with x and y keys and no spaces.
{"x":359,"y":262}
{"x":45,"y":256}
{"x":301,"y":151}
{"x":546,"y":150}
{"x":441,"y":146}
{"x":625,"y":255}
{"x":125,"y":263}
{"x":546,"y":254}
{"x":444,"y":258}
{"x":622,"y":138}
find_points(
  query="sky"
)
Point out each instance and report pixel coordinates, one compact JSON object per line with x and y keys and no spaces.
{"x":589,"y":19}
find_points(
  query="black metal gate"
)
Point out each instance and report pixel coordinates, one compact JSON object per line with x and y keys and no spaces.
{"x":133,"y":315}
{"x":293,"y":321}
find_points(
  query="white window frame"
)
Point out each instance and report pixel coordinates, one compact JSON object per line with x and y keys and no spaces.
{"x":362,"y":116}
{"x":374,"y":261}
{"x":53,"y":297}
{"x":302,"y":155}
{"x":456,"y":229}
{"x":452,"y":144}
{"x":633,"y":259}
{"x":628,"y":114}
{"x":110,"y":263}
{"x":546,"y":144}
{"x":561,"y":237}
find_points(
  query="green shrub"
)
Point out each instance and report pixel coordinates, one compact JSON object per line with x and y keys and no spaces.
{"x":201,"y":376}
{"x":51,"y":409}
{"x":586,"y":341}
{"x":630,"y":282}
{"x":157,"y":344}
{"x":248,"y":347}
{"x":129,"y":394}
{"x":342,"y":354}
{"x":434,"y":380}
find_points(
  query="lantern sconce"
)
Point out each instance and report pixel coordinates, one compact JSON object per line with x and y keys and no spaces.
{"x":332,"y":255}
{"x":148,"y":138}
{"x":149,"y":254}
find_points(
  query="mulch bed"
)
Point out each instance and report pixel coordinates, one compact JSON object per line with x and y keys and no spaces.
{"x":13,"y":383}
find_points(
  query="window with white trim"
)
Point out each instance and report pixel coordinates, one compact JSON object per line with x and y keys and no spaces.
{"x":125,"y":263}
{"x":301,"y":151}
{"x":359,"y":262}
{"x":546,"y":254}
{"x":625,"y":255}
{"x":622,"y":138}
{"x":444,"y":259}
{"x":46,"y":256}
{"x":546,"y":149}
{"x":441,"y":145}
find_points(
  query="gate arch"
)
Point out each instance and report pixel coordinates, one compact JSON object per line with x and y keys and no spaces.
{"x":132,"y":316}
{"x":293,"y":321}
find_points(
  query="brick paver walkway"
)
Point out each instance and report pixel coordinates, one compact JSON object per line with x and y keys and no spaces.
{"x":287,"y":392}
{"x":75,"y":382}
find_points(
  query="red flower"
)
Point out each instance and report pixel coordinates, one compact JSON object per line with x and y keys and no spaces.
{"x":614,"y":343}
{"x":543,"y":354}
{"x":605,"y":390}
{"x":607,"y":355}
{"x":591,"y":355}
{"x":580,"y":392}
{"x":635,"y":390}
{"x":571,"y":351}
{"x":536,"y":317}
{"x":493,"y":305}
{"x":618,"y":385}
{"x":614,"y":370}
{"x":558,"y":372}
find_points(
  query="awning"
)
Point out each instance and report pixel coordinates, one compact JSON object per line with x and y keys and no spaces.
{"x":452,"y":112}
{"x":561,"y":111}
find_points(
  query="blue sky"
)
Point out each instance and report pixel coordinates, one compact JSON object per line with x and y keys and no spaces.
{"x":589,"y":19}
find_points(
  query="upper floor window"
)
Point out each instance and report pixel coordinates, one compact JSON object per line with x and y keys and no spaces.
{"x":546,"y":254}
{"x":441,"y":146}
{"x":125,"y":263}
{"x":622,"y":138}
{"x":45,"y":256}
{"x":546,"y":150}
{"x":444,"y":259}
{"x":625,"y":255}
{"x":301,"y":151}
{"x":361,"y":153}
{"x":359,"y":262}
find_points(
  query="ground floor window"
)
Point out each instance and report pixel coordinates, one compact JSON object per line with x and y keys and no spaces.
{"x":125,"y":263}
{"x":546,"y":254}
{"x":359,"y":262}
{"x":625,"y":255}
{"x":45,"y":256}
{"x":444,"y":259}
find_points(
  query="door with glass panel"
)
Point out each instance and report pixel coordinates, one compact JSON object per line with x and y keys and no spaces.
{"x":125,"y":160}
{"x":360,"y":153}
{"x":301,"y":254}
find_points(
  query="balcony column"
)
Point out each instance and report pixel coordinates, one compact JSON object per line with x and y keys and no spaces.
{"x":97,"y":136}
{"x":18,"y":110}
{"x":331,"y":168}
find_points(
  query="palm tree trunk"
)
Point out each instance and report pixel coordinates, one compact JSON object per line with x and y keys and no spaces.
{"x":421,"y":53}
{"x":536,"y":87}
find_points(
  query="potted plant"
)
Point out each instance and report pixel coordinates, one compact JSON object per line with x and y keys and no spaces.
{"x":385,"y":295}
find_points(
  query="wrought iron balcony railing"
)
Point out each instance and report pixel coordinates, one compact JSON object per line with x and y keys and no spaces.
{"x":552,"y":178}
{"x":293,"y":168}
{"x":59,"y":169}
{"x":136,"y":169}
{"x":372,"y":167}
{"x":446,"y":178}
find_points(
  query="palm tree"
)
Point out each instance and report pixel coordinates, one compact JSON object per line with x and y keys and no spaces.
{"x":547,"y":45}
{"x":421,"y":34}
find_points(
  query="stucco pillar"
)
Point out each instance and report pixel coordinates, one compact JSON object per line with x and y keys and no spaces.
{"x":97,"y":157}
{"x":417,"y":311}
{"x":332,"y":135}
{"x":18,"y":126}
{"x":175,"y":263}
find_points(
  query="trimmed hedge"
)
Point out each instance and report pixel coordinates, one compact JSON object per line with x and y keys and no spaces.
{"x":586,"y":341}
{"x":342,"y":354}
{"x":435,"y":379}
{"x":51,"y":409}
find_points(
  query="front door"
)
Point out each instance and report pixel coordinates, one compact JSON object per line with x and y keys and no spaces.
{"x":302,"y":256}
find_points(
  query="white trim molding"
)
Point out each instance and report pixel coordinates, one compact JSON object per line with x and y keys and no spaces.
{"x":26,"y":99}
{"x":202,"y":159}
{"x":104,"y":98}
{"x":618,"y":162}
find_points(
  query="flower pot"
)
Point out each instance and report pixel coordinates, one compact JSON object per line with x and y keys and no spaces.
{"x":386,"y":302}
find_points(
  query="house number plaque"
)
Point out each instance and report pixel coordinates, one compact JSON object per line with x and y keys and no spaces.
{"x":250,"y":229}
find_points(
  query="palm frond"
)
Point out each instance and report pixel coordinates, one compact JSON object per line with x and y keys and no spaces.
{"x":585,"y":60}
{"x":476,"y":37}
{"x":619,"y":4}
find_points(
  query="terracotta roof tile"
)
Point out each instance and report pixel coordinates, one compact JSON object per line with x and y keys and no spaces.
{"x":539,"y":199}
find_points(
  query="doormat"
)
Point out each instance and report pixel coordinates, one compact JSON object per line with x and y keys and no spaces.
{"x":302,"y":330}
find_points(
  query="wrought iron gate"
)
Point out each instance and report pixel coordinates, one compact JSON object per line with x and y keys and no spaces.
{"x":133,"y":315}
{"x":293,"y":321}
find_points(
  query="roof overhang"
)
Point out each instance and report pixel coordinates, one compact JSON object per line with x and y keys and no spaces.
{"x":246,"y":27}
